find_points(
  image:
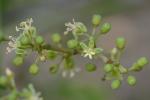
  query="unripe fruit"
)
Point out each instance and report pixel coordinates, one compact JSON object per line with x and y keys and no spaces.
{"x":142,"y":61}
{"x":3,"y":81}
{"x":96,"y":20}
{"x":120,"y":42}
{"x":18,"y":61}
{"x":39,"y":40}
{"x":72,"y":44}
{"x":56,"y":38}
{"x":25,"y":40}
{"x":105,"y":28}
{"x":108,"y":68}
{"x":131,"y":80}
{"x":90,"y":67}
{"x":53,"y":69}
{"x":34,"y":69}
{"x":115,"y":84}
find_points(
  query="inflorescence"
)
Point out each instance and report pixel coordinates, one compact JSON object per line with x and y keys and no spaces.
{"x":83,"y":42}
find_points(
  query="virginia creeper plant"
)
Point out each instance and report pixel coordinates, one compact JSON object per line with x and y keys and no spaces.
{"x":83,"y":43}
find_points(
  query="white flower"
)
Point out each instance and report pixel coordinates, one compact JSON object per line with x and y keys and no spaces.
{"x":77,"y":28}
{"x":90,"y":50}
{"x":25,"y":25}
{"x":12,"y":44}
{"x":70,"y":72}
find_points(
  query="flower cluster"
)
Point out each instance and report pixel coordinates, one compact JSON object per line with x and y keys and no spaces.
{"x":83,"y":42}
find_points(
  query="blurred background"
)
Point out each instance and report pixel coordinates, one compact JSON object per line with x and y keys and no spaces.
{"x":129,"y":18}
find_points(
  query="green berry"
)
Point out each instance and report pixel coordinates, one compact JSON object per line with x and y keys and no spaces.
{"x":142,"y":61}
{"x":56,"y":38}
{"x":131,"y":80}
{"x":115,"y":84}
{"x":105,"y":28}
{"x":39,"y":40}
{"x":96,"y":20}
{"x":3,"y":81}
{"x":90,"y":67}
{"x":120,"y":42}
{"x":34,"y":69}
{"x":108,"y":68}
{"x":18,"y":61}
{"x":72,"y":44}
{"x":53,"y":69}
{"x":25,"y":40}
{"x":51,"y":54}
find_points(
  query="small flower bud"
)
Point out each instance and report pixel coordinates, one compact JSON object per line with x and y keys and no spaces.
{"x":131,"y":80}
{"x":18,"y":61}
{"x":72,"y":44}
{"x":142,"y":61}
{"x":56,"y":38}
{"x":25,"y":40}
{"x":108,"y":68}
{"x":34,"y":69}
{"x":105,"y":28}
{"x":115,"y":84}
{"x":96,"y":20}
{"x":90,"y":67}
{"x":39,"y":40}
{"x":120,"y":42}
{"x":53,"y":69}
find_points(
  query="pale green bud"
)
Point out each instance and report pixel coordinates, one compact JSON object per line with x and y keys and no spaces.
{"x":115,"y":84}
{"x":120,"y":42}
{"x":142,"y":61}
{"x":25,"y":40}
{"x":72,"y":44}
{"x":106,"y":27}
{"x":108,"y":68}
{"x":96,"y":20}
{"x":18,"y":61}
{"x":90,"y":67}
{"x":39,"y":40}
{"x":131,"y":80}
{"x":34,"y":69}
{"x":56,"y":38}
